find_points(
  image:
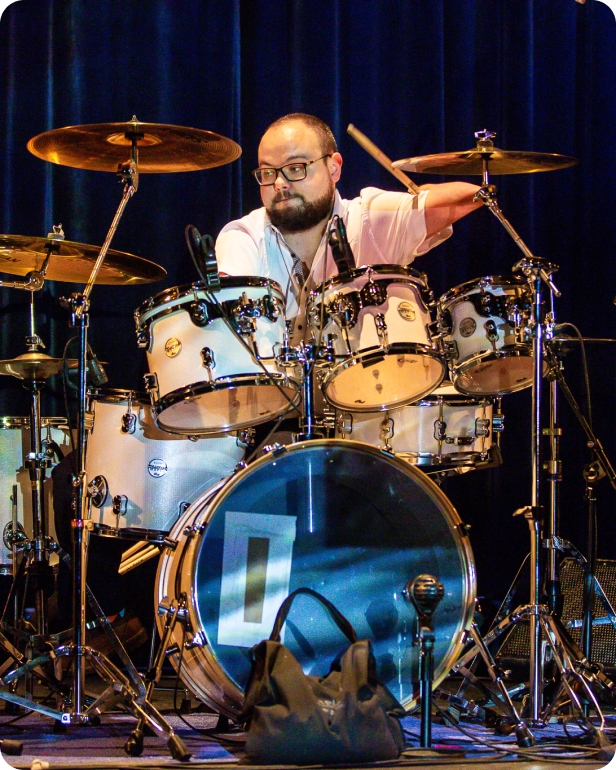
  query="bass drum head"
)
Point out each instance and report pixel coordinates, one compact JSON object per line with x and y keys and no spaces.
{"x":337,"y":516}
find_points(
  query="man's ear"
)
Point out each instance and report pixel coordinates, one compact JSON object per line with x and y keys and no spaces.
{"x":335,"y":166}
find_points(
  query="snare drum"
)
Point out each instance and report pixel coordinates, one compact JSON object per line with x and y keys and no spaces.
{"x":15,"y":438}
{"x":142,"y":479}
{"x":487,"y":333}
{"x":211,"y":355}
{"x":379,"y":318}
{"x":336,"y":516}
{"x":444,"y":430}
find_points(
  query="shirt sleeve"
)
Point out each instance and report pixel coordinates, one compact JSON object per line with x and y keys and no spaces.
{"x":396,"y":222}
{"x":237,"y":253}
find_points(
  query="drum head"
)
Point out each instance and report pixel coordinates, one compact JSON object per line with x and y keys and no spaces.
{"x":226,"y":405}
{"x":337,"y":516}
{"x":496,"y":373}
{"x":375,"y":382}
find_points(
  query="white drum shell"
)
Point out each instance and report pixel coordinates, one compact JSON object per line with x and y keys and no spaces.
{"x":373,"y":372}
{"x":478,"y":364}
{"x":411,"y":431}
{"x":15,"y":438}
{"x":178,"y":365}
{"x":157,"y":472}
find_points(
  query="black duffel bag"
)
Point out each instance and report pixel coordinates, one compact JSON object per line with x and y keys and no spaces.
{"x":346,"y":716}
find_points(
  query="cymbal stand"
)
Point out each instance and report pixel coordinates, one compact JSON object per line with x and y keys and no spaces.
{"x":543,"y":625}
{"x":121,"y":689}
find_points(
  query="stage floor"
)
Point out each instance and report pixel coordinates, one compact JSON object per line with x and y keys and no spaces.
{"x":102,"y":746}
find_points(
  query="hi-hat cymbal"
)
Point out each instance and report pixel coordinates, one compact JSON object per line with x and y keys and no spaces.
{"x":161,"y":148}
{"x":34,"y":366}
{"x":20,"y":254}
{"x":470,"y":162}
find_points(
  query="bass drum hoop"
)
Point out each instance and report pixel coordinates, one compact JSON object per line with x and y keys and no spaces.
{"x":364,"y":358}
{"x":197,"y":389}
{"x":219,"y":691}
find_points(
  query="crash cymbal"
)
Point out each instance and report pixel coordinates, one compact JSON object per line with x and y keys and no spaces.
{"x":470,"y":162}
{"x":34,"y":366}
{"x":19,"y":254}
{"x":161,"y":148}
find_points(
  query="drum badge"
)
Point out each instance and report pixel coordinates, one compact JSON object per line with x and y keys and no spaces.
{"x":407,"y":311}
{"x":172,"y":347}
{"x":467,"y":327}
{"x":157,"y":468}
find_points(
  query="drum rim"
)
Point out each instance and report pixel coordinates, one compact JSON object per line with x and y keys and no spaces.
{"x":133,"y":534}
{"x":146,"y":311}
{"x":401,"y":271}
{"x":117,"y":396}
{"x":459,"y":292}
{"x":175,"y":397}
{"x":397,"y":348}
{"x":13,"y":423}
{"x":202,"y":510}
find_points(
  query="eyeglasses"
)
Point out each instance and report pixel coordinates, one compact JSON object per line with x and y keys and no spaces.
{"x":292,"y":172}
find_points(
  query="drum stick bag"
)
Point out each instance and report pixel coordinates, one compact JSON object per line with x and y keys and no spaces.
{"x":347,"y":716}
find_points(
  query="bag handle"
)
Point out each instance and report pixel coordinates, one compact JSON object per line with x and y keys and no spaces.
{"x":339,"y":619}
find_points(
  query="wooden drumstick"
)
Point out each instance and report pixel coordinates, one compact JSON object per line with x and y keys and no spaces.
{"x":370,"y":147}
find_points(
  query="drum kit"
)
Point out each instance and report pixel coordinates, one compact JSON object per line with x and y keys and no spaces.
{"x":411,"y":389}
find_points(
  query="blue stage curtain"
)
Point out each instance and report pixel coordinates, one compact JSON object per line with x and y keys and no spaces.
{"x":417,"y":76}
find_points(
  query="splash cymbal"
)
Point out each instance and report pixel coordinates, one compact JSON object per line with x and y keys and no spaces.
{"x":20,"y":254}
{"x":161,"y":148}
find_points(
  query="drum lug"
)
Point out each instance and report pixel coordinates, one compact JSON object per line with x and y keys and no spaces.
{"x":129,"y":423}
{"x":440,"y":430}
{"x":199,"y":313}
{"x":208,"y":361}
{"x":344,"y":423}
{"x":151,"y":386}
{"x":464,"y":529}
{"x":491,"y":332}
{"x":98,"y":489}
{"x":239,"y":468}
{"x":482,"y":427}
{"x":120,"y":505}
{"x":381,"y":329}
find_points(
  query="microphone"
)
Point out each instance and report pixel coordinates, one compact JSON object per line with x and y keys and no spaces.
{"x":203,"y":256}
{"x":341,"y":249}
{"x":424,"y":592}
{"x":95,"y":370}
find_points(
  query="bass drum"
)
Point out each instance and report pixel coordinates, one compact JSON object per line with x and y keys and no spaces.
{"x":337,"y":516}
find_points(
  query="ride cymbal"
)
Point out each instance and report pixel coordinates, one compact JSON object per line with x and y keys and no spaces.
{"x":161,"y":148}
{"x":471,"y":162}
{"x":73,"y":262}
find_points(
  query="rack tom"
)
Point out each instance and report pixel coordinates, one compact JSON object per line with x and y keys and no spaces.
{"x":211,"y":355}
{"x":486,"y":333}
{"x":375,"y":319}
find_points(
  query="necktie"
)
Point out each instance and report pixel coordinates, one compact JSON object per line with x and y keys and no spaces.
{"x":300,"y":269}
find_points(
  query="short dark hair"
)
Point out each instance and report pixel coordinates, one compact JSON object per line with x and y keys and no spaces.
{"x":323,"y":131}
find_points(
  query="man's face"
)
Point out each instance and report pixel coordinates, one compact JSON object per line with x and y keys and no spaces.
{"x":294,"y":207}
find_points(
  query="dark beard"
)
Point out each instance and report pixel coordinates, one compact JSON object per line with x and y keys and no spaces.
{"x":303,"y":217}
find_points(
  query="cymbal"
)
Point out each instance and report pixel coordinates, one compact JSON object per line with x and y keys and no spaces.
{"x":470,"y":162}
{"x":20,"y":254}
{"x":161,"y":148}
{"x":34,"y":366}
